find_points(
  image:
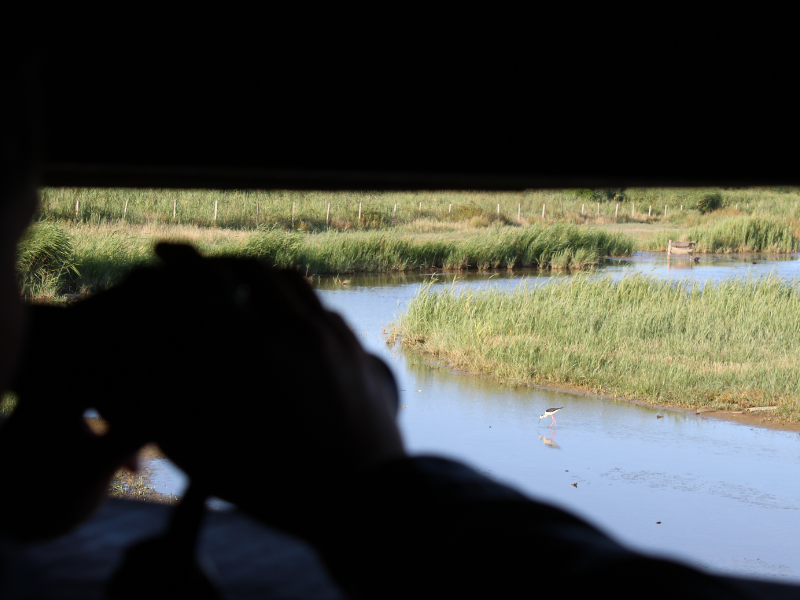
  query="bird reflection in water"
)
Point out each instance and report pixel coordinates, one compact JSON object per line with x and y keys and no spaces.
{"x":549,"y":441}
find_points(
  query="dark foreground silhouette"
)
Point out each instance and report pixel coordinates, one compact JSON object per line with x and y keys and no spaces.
{"x":267,"y":400}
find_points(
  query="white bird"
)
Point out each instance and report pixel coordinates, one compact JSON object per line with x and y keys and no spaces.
{"x":551,"y":412}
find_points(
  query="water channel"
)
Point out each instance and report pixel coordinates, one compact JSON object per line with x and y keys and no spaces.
{"x":714,"y":494}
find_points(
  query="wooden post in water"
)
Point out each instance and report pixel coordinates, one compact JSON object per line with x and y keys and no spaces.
{"x":543,"y":205}
{"x":77,"y":203}
{"x":669,"y":249}
{"x":328,"y":215}
{"x":125,"y":212}
{"x":215,"y":211}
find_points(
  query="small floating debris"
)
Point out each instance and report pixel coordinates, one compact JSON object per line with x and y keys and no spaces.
{"x":659,"y":416}
{"x":705,"y":409}
{"x":574,"y":485}
{"x":755,"y":408}
{"x":658,"y":522}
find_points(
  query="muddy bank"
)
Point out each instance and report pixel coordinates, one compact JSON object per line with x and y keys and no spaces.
{"x":758,"y":418}
{"x":765,"y":419}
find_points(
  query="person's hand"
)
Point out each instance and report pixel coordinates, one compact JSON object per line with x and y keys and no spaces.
{"x":55,"y":472}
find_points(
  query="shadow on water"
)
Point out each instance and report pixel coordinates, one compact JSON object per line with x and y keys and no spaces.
{"x":714,"y":494}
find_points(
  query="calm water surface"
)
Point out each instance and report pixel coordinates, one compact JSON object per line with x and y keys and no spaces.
{"x":727,"y":496}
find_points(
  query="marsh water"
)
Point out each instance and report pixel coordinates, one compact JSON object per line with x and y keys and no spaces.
{"x":713,"y":494}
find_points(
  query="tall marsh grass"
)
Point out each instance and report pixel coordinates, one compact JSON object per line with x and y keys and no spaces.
{"x":555,"y":246}
{"x":731,"y":344}
{"x":45,"y":260}
{"x":105,"y":255}
{"x":735,"y":234}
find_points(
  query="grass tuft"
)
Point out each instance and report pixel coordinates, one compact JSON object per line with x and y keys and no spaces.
{"x":728,"y":345}
{"x":45,"y":258}
{"x":736,"y":234}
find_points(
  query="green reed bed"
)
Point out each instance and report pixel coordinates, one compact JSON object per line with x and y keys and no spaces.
{"x":553,"y":246}
{"x":728,"y":345}
{"x":734,"y":234}
{"x":101,"y":256}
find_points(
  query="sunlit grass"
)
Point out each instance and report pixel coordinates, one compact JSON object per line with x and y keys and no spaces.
{"x":734,"y":234}
{"x":104,"y":253}
{"x":308,"y":211}
{"x":728,"y":345}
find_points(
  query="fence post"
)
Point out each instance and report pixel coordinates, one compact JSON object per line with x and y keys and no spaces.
{"x":77,"y":202}
{"x":328,"y":215}
{"x":665,"y":211}
{"x":669,"y":249}
{"x":681,"y":206}
{"x":519,"y":211}
{"x":125,"y":212}
{"x":633,"y":209}
{"x":174,"y":207}
{"x":359,"y":212}
{"x":543,"y":205}
{"x":582,"y":207}
{"x":449,"y":210}
{"x":616,"y":211}
{"x":650,"y":211}
{"x":215,"y":211}
{"x":420,"y":208}
{"x":598,"y":209}
{"x":257,"y":212}
{"x":498,"y":210}
{"x":395,"y":210}
{"x":292,"y":214}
